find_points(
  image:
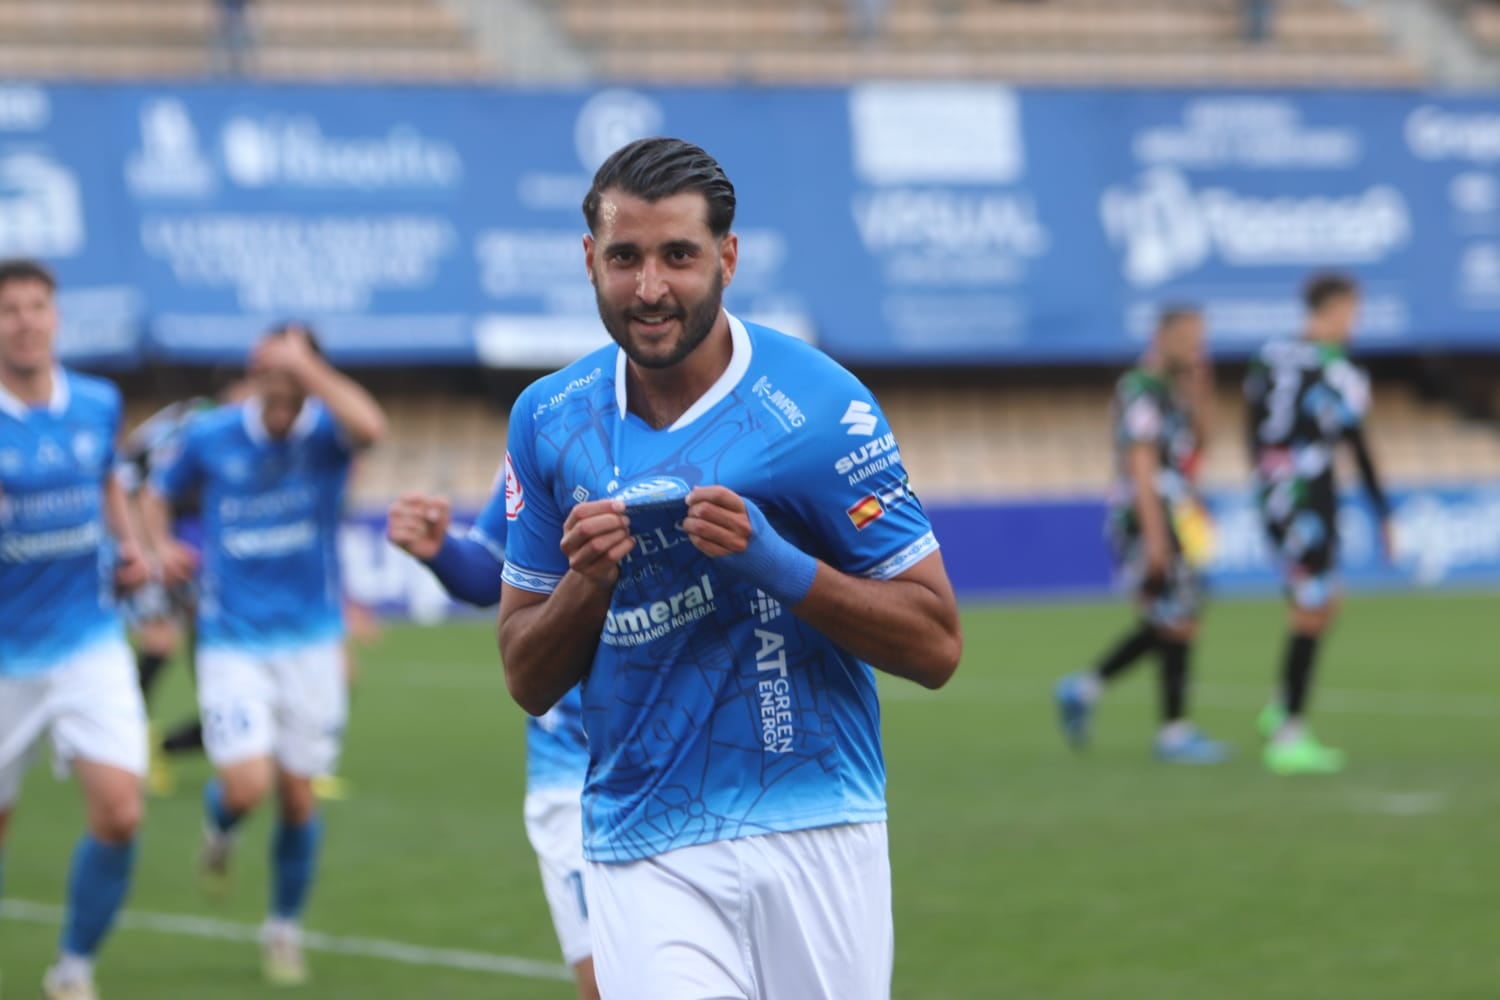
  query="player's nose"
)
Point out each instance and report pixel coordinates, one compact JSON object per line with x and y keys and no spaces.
{"x":650,"y":282}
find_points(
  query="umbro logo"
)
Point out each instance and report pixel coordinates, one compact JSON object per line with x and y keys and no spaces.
{"x":860,"y":417}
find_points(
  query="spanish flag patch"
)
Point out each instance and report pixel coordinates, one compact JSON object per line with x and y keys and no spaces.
{"x":865,"y":512}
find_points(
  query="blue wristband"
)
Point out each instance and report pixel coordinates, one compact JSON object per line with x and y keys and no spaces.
{"x":771,"y":562}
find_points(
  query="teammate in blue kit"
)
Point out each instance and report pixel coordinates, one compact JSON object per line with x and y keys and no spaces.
{"x":557,"y":758}
{"x":710,"y":528}
{"x":271,"y":472}
{"x":65,"y":668}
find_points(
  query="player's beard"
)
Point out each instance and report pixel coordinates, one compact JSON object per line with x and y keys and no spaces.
{"x":694,"y":324}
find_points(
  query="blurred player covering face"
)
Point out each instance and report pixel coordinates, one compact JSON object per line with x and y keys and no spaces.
{"x":28,"y":321}
{"x":274,"y":367}
{"x":659,"y":253}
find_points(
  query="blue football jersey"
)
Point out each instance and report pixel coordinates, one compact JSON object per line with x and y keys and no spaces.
{"x":713,"y":713}
{"x":557,"y":755}
{"x":270,"y":573}
{"x":56,"y":554}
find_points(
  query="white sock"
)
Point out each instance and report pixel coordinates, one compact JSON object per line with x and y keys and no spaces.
{"x":279,"y":928}
{"x":1174,"y":734}
{"x":1291,"y":731}
{"x":74,"y":968}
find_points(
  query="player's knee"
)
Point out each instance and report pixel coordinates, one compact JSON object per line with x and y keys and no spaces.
{"x":243,"y":792}
{"x":116,"y":817}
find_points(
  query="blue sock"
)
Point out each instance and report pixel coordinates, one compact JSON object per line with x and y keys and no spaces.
{"x":294,"y":862}
{"x":97,"y":884}
{"x":214,"y":810}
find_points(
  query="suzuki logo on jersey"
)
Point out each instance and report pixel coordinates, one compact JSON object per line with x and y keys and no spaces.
{"x":875,"y":456}
{"x":515,"y":497}
{"x":860,"y":417}
{"x":640,"y":625}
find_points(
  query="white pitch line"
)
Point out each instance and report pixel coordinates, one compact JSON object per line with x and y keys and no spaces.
{"x":185,"y":925}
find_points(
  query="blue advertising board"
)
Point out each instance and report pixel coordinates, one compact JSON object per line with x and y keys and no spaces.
{"x":1447,"y":537}
{"x":895,"y":223}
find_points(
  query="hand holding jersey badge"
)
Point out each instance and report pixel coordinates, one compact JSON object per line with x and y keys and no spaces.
{"x":733,"y":530}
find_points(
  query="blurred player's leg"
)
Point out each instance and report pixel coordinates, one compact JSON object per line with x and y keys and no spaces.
{"x":312,"y":709}
{"x":99,"y":727}
{"x":554,"y":825}
{"x":236,"y":696}
{"x":1077,"y":694}
{"x":294,"y":858}
{"x":1307,"y":539}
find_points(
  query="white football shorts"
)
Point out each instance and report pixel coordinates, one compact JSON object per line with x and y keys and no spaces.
{"x":90,"y":704}
{"x":554,"y":825}
{"x":290,"y":704}
{"x":783,"y":916}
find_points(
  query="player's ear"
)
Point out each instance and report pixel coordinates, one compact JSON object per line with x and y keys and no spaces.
{"x":589,"y":245}
{"x":729,"y":257}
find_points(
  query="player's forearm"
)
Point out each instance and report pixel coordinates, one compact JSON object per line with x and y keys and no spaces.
{"x":546,"y":647}
{"x":1148,"y":506}
{"x":903,"y":627}
{"x":468,"y":571}
{"x":156,"y":519}
{"x":351,"y":406}
{"x":117,"y":514}
{"x":1367,"y":473}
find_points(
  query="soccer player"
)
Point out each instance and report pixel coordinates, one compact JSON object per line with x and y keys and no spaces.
{"x":156,"y":613}
{"x":711,"y":528}
{"x":469,"y":567}
{"x":65,"y":542}
{"x":1305,"y":398}
{"x":1159,"y":418}
{"x":271,"y":688}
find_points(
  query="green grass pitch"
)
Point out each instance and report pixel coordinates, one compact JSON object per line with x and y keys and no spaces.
{"x":1021,"y":870}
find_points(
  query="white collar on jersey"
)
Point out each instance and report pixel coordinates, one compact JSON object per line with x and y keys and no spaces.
{"x":739,"y":364}
{"x":255,"y":421}
{"x":61,"y":394}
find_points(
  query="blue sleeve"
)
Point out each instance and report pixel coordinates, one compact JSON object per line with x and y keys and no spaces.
{"x":326,"y":439}
{"x":468,"y":571}
{"x":847,"y":483}
{"x":534,"y":559}
{"x":180,"y":466}
{"x":490,"y":528}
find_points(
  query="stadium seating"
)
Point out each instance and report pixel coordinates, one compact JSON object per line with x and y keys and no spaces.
{"x":784,"y":41}
{"x":1075,"y":41}
{"x":306,"y":39}
{"x":966,"y":442}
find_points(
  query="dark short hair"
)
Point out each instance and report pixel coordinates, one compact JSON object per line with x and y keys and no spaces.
{"x":22,"y":269}
{"x":657,"y":168}
{"x":286,"y":326}
{"x":1172,"y":314}
{"x":1324,"y":288}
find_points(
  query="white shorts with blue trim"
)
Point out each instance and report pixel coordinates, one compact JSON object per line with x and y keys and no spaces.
{"x":90,"y":705}
{"x":554,"y":825}
{"x":291,"y":704}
